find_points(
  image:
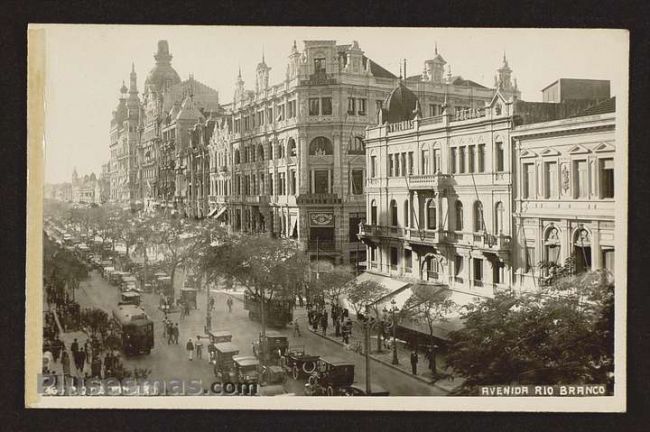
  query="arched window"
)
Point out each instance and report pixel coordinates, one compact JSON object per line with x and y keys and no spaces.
{"x":260,"y":152}
{"x":237,"y":159}
{"x":498,"y":218}
{"x":291,"y":147}
{"x":552,"y":245}
{"x":459,"y":216}
{"x":321,"y":146}
{"x":406,"y":213}
{"x":356,"y":146}
{"x":373,"y":212}
{"x":393,"y":213}
{"x":478,"y":217}
{"x":431,"y":214}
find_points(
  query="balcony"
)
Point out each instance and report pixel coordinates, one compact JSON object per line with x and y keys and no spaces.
{"x":428,"y":181}
{"x":316,"y":199}
{"x":480,"y":240}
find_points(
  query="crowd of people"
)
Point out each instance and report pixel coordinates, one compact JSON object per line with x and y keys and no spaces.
{"x":318,"y":318}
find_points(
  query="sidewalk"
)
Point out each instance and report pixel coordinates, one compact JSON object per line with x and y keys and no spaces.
{"x":385,"y":357}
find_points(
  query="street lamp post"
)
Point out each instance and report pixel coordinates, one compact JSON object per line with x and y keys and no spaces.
{"x":393,"y":309}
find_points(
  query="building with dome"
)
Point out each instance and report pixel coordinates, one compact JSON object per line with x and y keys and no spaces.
{"x":290,"y":159}
{"x":146,"y":163}
{"x":467,"y":204}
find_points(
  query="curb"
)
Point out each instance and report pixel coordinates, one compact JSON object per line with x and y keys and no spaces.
{"x":385,"y":363}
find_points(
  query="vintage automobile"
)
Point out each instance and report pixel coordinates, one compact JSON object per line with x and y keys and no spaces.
{"x":297,"y":363}
{"x":274,"y":344}
{"x":246,"y":369}
{"x":333,"y":376}
{"x":272,"y":374}
{"x":216,"y":337}
{"x":164,"y":284}
{"x":129,"y":297}
{"x":278,"y":312}
{"x":188,"y":295}
{"x":129,"y":283}
{"x":224,"y":366}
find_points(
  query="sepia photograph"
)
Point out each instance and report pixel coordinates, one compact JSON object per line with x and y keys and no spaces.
{"x":422,"y":218}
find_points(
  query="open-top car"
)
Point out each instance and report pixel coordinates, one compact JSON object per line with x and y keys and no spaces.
{"x":216,"y":337}
{"x":333,"y":376}
{"x":297,"y":363}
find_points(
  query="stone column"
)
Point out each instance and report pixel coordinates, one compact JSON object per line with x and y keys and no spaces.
{"x":595,"y":248}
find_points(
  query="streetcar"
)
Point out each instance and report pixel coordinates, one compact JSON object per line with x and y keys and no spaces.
{"x":135,"y":328}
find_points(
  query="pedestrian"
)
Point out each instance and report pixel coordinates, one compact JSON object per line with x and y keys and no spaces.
{"x":229,"y":303}
{"x":56,"y":348}
{"x":187,"y":308}
{"x":82,"y":360}
{"x":189,"y":347}
{"x":414,"y":362}
{"x":74,"y":347}
{"x":96,"y":367}
{"x":65,"y":363}
{"x":170,"y":332}
{"x":176,"y":333}
{"x":211,"y":304}
{"x":296,"y":328}
{"x":337,"y":328}
{"x":323,"y":323}
{"x":199,"y":348}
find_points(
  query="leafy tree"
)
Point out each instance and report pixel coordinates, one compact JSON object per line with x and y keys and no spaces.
{"x":96,"y":320}
{"x":362,"y":295}
{"x":561,"y":334}
{"x":428,"y":304}
{"x":332,"y":284}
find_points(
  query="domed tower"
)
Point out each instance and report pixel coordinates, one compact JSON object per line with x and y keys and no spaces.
{"x":400,"y":105}
{"x":262,"y":81}
{"x":163,"y":75}
{"x":503,"y":78}
{"x":434,"y":68}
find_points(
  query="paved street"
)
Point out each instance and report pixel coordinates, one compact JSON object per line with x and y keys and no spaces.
{"x":170,"y":361}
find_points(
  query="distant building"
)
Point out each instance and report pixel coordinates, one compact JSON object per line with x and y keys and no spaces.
{"x":86,"y":189}
{"x":568,"y":89}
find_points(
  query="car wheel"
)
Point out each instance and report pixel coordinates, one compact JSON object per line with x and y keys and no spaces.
{"x":330,"y":391}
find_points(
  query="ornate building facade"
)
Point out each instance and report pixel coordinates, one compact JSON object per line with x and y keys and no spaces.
{"x":291,"y":160}
{"x":472,"y":201}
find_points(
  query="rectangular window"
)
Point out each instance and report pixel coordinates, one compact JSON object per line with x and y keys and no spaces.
{"x":351,"y":106}
{"x":408,"y":259}
{"x":461,"y":160}
{"x":269,"y":115}
{"x":321,"y":181}
{"x":355,"y":220}
{"x":373,"y":253}
{"x":470,"y":158}
{"x":260,"y":118}
{"x":281,"y":113}
{"x":425,"y":162}
{"x":362,"y":107}
{"x":432,"y":110}
{"x":478,"y":271}
{"x":319,"y":65}
{"x":550,"y":179}
{"x":237,"y":126}
{"x":292,"y":182}
{"x":606,"y":178}
{"x":481,"y":158}
{"x":397,"y":165}
{"x":410,"y":163}
{"x":403,"y":163}
{"x":581,"y":179}
{"x":326,"y":105}
{"x":436,"y":161}
{"x":453,"y":160}
{"x":530,"y":258}
{"x":357,"y":182}
{"x":379,"y":104}
{"x":391,"y":165}
{"x":373,"y":166}
{"x":458,"y":266}
{"x":499,"y":156}
{"x":291,"y":109}
{"x":314,"y":106}
{"x":270,"y":184}
{"x":528,"y":178}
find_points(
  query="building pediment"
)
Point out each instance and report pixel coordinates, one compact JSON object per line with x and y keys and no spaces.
{"x":550,"y":152}
{"x":604,"y":147}
{"x":528,"y":154}
{"x":578,"y":149}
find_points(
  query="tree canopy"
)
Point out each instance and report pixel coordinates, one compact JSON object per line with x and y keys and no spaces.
{"x":561,"y":334}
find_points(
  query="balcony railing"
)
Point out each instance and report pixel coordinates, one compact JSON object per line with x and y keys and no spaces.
{"x":432,"y":275}
{"x":400,"y":126}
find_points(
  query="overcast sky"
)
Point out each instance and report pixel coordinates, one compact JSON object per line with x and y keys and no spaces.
{"x":86,"y":66}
